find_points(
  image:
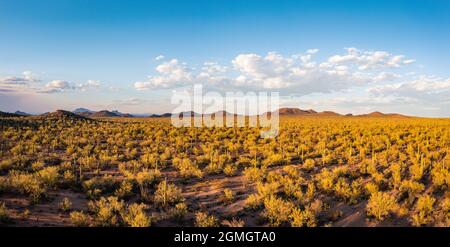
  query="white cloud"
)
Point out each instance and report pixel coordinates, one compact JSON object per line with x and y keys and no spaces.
{"x":213,"y":68}
{"x":312,"y":51}
{"x":56,"y":86}
{"x":172,"y":74}
{"x":89,"y":84}
{"x":298,"y":73}
{"x":272,"y":65}
{"x":23,"y":83}
{"x":365,"y":60}
{"x":429,"y":90}
{"x":28,"y":77}
{"x":160,"y":57}
{"x":386,"y":77}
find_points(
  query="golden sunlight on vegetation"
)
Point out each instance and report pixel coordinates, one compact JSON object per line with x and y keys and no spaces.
{"x":319,"y":171}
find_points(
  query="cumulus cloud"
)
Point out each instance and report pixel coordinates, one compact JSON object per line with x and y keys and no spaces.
{"x":365,"y":60}
{"x":24,"y":82}
{"x":26,"y":78}
{"x":160,"y":57}
{"x":424,"y":88}
{"x":312,"y":51}
{"x":273,"y":71}
{"x":172,"y":73}
{"x":89,"y":84}
{"x":30,"y":83}
{"x":58,"y":86}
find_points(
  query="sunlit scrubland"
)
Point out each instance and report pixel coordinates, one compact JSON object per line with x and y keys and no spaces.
{"x":319,"y":171}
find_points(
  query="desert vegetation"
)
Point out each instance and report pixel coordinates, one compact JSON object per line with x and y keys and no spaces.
{"x":319,"y":171}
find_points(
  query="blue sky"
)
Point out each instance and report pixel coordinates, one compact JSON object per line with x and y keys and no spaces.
{"x":113,"y":45}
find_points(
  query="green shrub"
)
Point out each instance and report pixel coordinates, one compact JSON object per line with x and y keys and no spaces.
{"x":6,"y":165}
{"x":65,"y":205}
{"x":4,"y":216}
{"x":230,"y":170}
{"x":300,"y":218}
{"x":254,"y":174}
{"x":167,"y":194}
{"x":204,"y":220}
{"x":380,"y":205}
{"x":179,"y":211}
{"x":27,"y":184}
{"x":135,"y":216}
{"x":99,"y":185}
{"x":187,"y":169}
{"x":69,"y":178}
{"x":49,"y":175}
{"x":107,"y":211}
{"x":440,"y":175}
{"x":276,"y":210}
{"x":79,"y":219}
{"x":309,"y":164}
{"x":233,"y":223}
{"x":423,"y":210}
{"x":125,"y":190}
{"x":228,"y":195}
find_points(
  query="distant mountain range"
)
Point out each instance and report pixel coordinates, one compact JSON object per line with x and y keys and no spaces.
{"x":22,"y":113}
{"x":104,"y":113}
{"x":82,"y":110}
{"x":286,"y":111}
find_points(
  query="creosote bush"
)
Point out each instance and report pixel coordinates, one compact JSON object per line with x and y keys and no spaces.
{"x":79,"y":219}
{"x":65,"y":205}
{"x":4,"y":216}
{"x":167,"y":194}
{"x":202,"y":219}
{"x":423,"y":210}
{"x":380,"y":205}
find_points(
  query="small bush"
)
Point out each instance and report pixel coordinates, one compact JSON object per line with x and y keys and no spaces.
{"x":125,"y":190}
{"x":28,"y":184}
{"x":107,"y":211}
{"x":145,"y":178}
{"x":204,"y":220}
{"x":228,"y":195}
{"x":301,"y":218}
{"x":79,"y":219}
{"x":423,"y":210}
{"x":412,"y":189}
{"x":254,"y":174}
{"x":326,"y":180}
{"x":371,"y":188}
{"x":233,"y":223}
{"x":49,"y":175}
{"x":69,"y":178}
{"x":187,"y":169}
{"x":230,"y":170}
{"x":309,"y":164}
{"x":440,"y":175}
{"x":98,"y":185}
{"x":253,"y":201}
{"x":6,"y":164}
{"x":179,"y":211}
{"x":276,"y":210}
{"x":37,"y":165}
{"x":65,"y":205}
{"x":167,"y":194}
{"x":380,"y":205}
{"x":4,"y":216}
{"x":135,"y":216}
